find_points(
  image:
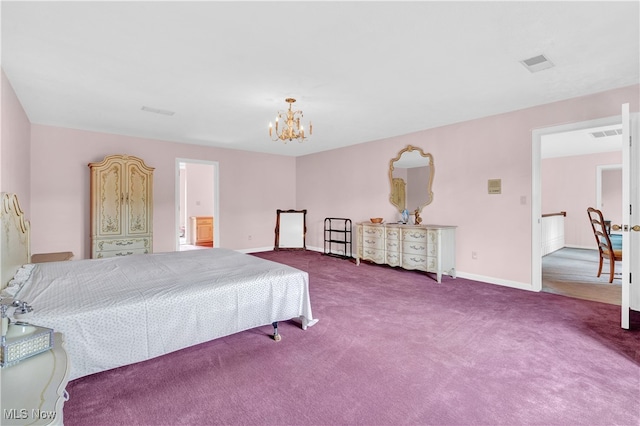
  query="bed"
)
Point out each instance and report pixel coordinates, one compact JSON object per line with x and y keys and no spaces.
{"x":119,"y":311}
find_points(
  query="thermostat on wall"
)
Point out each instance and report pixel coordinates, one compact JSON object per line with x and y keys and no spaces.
{"x":495,"y":186}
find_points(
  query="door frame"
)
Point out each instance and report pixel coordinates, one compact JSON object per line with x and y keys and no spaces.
{"x":536,"y":185}
{"x":215,"y":196}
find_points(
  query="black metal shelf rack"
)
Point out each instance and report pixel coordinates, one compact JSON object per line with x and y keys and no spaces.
{"x":338,"y":237}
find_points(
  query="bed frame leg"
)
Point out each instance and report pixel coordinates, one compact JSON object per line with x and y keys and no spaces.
{"x":276,"y":336}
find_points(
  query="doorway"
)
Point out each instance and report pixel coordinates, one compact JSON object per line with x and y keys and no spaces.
{"x":197,"y":205}
{"x":599,"y":155}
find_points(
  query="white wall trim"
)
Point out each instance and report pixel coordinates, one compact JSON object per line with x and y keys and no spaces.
{"x":259,"y":249}
{"x":255,"y":250}
{"x":575,"y":246}
{"x":496,"y":281}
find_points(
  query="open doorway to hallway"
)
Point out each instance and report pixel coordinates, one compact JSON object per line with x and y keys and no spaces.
{"x":579,"y":168}
{"x":196,"y":204}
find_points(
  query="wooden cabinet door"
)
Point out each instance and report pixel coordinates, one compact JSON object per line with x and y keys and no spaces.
{"x":109,"y":199}
{"x":205,"y":231}
{"x":137,"y":196}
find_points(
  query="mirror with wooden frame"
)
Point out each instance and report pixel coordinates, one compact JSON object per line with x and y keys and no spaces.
{"x":410,"y":178}
{"x":291,"y":230}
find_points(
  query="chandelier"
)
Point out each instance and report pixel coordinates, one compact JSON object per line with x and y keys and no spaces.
{"x":291,"y":127}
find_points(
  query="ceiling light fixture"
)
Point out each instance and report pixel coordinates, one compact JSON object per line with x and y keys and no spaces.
{"x":291,"y":128}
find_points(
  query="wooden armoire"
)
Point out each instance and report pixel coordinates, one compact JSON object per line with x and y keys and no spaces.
{"x":121,"y":207}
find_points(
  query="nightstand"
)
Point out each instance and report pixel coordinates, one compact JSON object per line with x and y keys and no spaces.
{"x":51,"y":257}
{"x":33,"y":391}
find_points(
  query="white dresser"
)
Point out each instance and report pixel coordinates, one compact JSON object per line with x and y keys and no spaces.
{"x":429,"y":248}
{"x":33,"y":391}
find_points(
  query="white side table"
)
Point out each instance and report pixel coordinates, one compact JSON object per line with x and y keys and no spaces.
{"x":33,"y":391}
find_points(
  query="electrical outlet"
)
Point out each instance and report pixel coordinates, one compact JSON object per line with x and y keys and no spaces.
{"x":474,"y":255}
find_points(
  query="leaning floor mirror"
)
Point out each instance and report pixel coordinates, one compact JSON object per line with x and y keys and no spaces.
{"x":291,"y":230}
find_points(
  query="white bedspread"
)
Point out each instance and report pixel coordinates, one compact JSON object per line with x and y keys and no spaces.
{"x":119,"y":311}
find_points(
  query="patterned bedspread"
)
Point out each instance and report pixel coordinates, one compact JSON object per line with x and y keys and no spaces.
{"x":119,"y":311}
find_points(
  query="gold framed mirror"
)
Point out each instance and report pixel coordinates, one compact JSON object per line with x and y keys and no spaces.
{"x":291,"y":230}
{"x":411,"y":178}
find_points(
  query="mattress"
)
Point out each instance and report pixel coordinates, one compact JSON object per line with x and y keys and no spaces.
{"x":118,"y":311}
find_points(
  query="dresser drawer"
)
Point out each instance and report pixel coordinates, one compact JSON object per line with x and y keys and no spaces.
{"x":415,"y":247}
{"x":377,"y":256}
{"x":418,"y":235}
{"x":122,"y":247}
{"x":372,"y":238}
{"x":393,"y":258}
{"x":420,"y":262}
{"x":117,"y":253}
{"x":204,"y":220}
{"x":393,"y":233}
{"x":393,"y":246}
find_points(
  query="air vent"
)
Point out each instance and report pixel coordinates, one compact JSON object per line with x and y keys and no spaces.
{"x":605,"y":133}
{"x":537,"y":63}
{"x":157,"y":111}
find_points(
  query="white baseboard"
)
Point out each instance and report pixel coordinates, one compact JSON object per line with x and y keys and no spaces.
{"x":255,"y":250}
{"x":581,"y":247}
{"x":259,"y":249}
{"x":497,"y":281}
{"x":474,"y":277}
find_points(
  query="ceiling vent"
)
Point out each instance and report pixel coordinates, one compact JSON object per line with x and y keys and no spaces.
{"x":605,"y":133}
{"x":157,"y":111}
{"x":537,"y":63}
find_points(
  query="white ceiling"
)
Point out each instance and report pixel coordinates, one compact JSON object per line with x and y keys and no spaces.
{"x":360,"y":71}
{"x":580,"y":142}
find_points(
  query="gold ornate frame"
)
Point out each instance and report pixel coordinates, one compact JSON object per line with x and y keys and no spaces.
{"x":410,"y":148}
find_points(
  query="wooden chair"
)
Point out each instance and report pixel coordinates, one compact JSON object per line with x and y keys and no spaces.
{"x":605,"y":248}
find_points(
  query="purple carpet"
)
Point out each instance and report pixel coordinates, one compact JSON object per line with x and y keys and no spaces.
{"x":391,"y":347}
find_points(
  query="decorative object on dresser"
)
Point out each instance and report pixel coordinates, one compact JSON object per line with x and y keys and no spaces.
{"x":121,"y":207}
{"x":337,"y":237}
{"x":429,"y":248}
{"x":418,"y":219}
{"x":291,"y":230}
{"x":201,"y":231}
{"x":33,"y":391}
{"x":411,"y":175}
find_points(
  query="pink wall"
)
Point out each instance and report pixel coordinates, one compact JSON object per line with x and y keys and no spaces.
{"x":15,"y":146}
{"x":466,"y":155}
{"x":612,"y":195}
{"x":199,"y":189}
{"x":249,"y":193}
{"x":569,"y":184}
